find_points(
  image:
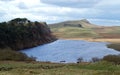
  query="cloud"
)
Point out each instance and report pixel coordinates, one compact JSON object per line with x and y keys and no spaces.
{"x":7,"y":0}
{"x":107,"y":4}
{"x":105,"y":22}
{"x":72,"y":3}
{"x":109,"y":9}
{"x":22,"y":5}
{"x":51,"y":11}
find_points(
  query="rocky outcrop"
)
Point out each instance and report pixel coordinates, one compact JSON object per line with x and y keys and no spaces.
{"x":73,"y":25}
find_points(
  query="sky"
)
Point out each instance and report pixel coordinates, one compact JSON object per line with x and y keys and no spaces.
{"x":100,"y":12}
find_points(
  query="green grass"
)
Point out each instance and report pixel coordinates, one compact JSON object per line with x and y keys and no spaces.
{"x":86,"y":32}
{"x":71,"y":32}
{"x":40,"y":68}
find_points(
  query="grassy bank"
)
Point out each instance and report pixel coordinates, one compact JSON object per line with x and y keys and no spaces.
{"x":115,"y":46}
{"x":39,"y":68}
{"x":11,"y":55}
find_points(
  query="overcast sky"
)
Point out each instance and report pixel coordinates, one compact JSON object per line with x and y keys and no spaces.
{"x":101,"y":12}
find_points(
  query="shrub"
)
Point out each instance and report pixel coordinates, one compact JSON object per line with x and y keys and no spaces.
{"x":96,"y":59}
{"x":112,"y":58}
{"x":14,"y":55}
{"x":79,"y":60}
{"x":115,"y":46}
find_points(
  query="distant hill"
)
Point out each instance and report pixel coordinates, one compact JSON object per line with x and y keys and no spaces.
{"x":76,"y":23}
{"x":84,"y":29}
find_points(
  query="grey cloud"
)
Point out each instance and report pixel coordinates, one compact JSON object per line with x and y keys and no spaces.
{"x":7,"y":0}
{"x":61,"y":10}
{"x":22,"y":5}
{"x":105,"y":22}
{"x":72,"y":3}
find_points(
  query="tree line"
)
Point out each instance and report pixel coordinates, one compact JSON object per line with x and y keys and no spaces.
{"x":21,"y":33}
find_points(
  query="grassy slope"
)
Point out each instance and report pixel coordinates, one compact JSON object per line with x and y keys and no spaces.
{"x":83,"y":22}
{"x":88,"y":31}
{"x":22,"y":68}
{"x":74,"y":32}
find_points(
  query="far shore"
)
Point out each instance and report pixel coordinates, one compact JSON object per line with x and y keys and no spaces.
{"x":111,"y":40}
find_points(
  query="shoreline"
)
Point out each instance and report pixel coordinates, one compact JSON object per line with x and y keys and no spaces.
{"x":110,"y":40}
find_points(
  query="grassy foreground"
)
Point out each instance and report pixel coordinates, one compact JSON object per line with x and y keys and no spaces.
{"x":39,"y":68}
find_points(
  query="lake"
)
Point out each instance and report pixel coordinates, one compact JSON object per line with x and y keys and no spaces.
{"x":69,"y":51}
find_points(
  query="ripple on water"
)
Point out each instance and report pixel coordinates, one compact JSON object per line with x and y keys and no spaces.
{"x":70,"y":51}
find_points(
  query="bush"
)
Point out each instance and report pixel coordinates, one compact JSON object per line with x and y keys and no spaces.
{"x":115,"y":46}
{"x":112,"y":58}
{"x":79,"y":60}
{"x":96,"y":59}
{"x":14,"y":55}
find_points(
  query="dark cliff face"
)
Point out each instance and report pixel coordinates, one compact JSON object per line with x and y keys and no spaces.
{"x":21,"y":33}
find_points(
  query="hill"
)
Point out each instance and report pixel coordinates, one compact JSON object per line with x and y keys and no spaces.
{"x":84,"y":29}
{"x":76,"y":23}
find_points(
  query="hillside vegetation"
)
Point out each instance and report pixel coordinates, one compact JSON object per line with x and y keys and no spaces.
{"x":83,"y":23}
{"x":21,"y":33}
{"x":84,"y":29}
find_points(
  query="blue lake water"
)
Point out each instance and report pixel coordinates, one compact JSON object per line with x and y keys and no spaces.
{"x":69,"y":51}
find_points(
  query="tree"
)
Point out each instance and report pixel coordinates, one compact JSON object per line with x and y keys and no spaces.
{"x":79,"y":60}
{"x":21,"y":33}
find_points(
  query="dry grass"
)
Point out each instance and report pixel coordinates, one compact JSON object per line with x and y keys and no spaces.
{"x":22,"y":68}
{"x":115,"y":40}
